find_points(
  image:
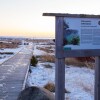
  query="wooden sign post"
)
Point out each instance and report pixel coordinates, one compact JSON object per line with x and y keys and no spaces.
{"x":97,"y":78}
{"x":76,"y":36}
{"x":60,"y":61}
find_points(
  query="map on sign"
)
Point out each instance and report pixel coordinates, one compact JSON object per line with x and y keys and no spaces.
{"x":81,"y":33}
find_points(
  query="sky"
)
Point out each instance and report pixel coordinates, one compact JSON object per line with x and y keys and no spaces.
{"x":24,"y":17}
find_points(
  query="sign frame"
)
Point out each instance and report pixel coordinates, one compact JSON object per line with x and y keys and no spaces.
{"x":71,"y":53}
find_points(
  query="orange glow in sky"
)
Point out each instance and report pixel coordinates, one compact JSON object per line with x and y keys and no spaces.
{"x":24,"y":17}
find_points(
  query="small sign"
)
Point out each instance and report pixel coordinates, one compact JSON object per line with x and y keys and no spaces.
{"x":81,"y":33}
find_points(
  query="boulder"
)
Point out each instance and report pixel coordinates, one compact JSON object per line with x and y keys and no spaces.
{"x":36,"y":93}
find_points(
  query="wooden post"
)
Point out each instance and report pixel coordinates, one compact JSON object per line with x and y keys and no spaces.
{"x":60,"y":61}
{"x":97,"y":78}
{"x":60,"y":79}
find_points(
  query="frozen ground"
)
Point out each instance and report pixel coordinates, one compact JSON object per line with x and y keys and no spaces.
{"x":37,"y":52}
{"x":4,"y":57}
{"x":79,"y":81}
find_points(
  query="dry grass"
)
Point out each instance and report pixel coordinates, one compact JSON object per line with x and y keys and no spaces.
{"x":68,"y":61}
{"x":50,"y":87}
{"x":79,"y":61}
{"x":46,"y":58}
{"x":47,"y":65}
{"x":90,"y":65}
{"x":87,"y":87}
{"x":75,"y":62}
{"x":46,"y":49}
{"x":8,"y":45}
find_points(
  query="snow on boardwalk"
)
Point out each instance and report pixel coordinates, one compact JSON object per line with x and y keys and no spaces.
{"x":12,"y":74}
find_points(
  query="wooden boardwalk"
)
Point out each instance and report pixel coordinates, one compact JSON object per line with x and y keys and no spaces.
{"x":13,"y":73}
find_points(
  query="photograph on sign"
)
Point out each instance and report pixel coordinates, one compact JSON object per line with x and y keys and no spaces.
{"x":81,"y":33}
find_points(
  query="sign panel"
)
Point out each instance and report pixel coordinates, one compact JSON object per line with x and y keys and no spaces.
{"x":81,"y":33}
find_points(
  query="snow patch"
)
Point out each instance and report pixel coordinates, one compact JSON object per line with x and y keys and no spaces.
{"x":79,"y":81}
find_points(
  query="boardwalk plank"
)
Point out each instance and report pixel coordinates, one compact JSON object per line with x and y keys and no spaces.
{"x":12,"y":75}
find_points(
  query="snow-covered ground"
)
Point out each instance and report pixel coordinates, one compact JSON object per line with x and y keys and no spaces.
{"x":37,"y":52}
{"x":79,"y":81}
{"x":4,"y":57}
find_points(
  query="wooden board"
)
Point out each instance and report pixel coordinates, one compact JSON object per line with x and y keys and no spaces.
{"x":12,"y":75}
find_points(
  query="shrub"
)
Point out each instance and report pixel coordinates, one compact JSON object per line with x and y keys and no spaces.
{"x":34,"y":61}
{"x":74,"y":62}
{"x":80,"y":62}
{"x":51,"y":87}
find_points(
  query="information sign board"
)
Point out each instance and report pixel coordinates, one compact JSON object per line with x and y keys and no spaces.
{"x":81,"y":33}
{"x":77,"y":35}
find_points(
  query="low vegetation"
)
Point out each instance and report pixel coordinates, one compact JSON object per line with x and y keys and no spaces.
{"x":50,"y":87}
{"x":9,"y":53}
{"x":33,"y":61}
{"x":46,"y":58}
{"x":46,"y":49}
{"x":89,"y":88}
{"x":78,"y":61}
{"x":73,"y":61}
{"x":47,"y":65}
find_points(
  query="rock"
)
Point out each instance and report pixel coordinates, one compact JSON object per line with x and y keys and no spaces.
{"x":36,"y":93}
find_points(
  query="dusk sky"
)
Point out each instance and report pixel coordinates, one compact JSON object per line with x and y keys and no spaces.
{"x":24,"y":17}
